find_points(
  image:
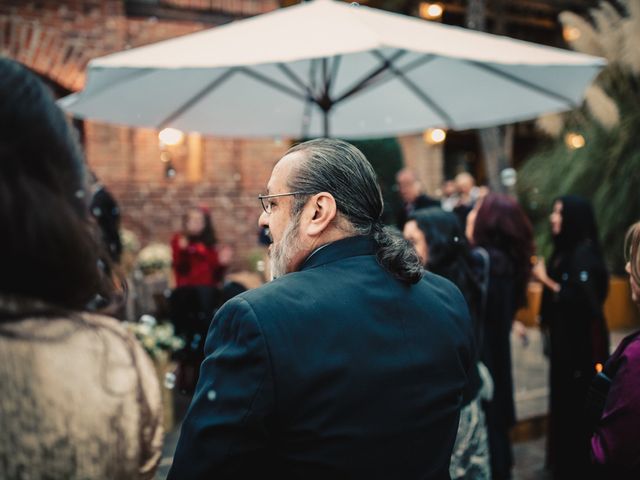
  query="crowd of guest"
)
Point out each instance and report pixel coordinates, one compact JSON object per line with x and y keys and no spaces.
{"x":81,"y":398}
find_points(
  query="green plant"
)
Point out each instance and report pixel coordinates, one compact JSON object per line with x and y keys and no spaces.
{"x":385,"y":155}
{"x":606,"y":169}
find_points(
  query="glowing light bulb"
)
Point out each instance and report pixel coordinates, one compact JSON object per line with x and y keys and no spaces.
{"x":433,"y":136}
{"x":431,"y":11}
{"x":571,"y":34}
{"x":171,"y":136}
{"x":574,"y":140}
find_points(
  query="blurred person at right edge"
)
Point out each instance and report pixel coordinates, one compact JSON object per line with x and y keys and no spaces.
{"x":615,"y":444}
{"x":498,"y":224}
{"x":575,"y":283}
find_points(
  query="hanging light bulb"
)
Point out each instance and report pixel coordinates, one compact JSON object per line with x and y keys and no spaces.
{"x":434,"y":136}
{"x":571,"y":34}
{"x":170,"y":171}
{"x":171,"y":136}
{"x":574,"y":140}
{"x":430,"y":11}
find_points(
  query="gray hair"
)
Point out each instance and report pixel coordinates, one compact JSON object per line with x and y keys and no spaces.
{"x":339,"y":168}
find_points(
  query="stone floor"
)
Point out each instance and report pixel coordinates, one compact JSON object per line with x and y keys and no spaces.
{"x":530,"y":372}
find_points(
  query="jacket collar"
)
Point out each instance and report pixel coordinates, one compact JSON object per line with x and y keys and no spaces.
{"x":340,"y":249}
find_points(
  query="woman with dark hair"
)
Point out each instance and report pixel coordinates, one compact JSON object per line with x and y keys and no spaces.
{"x":615,"y":444}
{"x":575,"y":287}
{"x":499,"y":225}
{"x":442,"y":248}
{"x":80,"y":398}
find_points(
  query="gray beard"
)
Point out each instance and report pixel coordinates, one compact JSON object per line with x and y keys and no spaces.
{"x":283,"y":252}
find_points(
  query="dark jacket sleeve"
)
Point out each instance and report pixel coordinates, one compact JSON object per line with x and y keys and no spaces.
{"x":225,"y":427}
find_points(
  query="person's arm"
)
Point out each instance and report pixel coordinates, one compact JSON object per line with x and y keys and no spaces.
{"x":540,"y":273}
{"x":180,"y":254}
{"x":219,"y":259}
{"x":616,"y":441}
{"x":226,"y":424}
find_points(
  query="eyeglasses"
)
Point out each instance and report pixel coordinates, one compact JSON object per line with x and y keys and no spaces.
{"x":267,"y":205}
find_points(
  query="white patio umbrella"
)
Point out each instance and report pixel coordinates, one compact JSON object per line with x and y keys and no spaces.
{"x":327,"y":67}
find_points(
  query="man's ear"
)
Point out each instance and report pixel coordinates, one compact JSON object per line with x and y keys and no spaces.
{"x":321,"y":210}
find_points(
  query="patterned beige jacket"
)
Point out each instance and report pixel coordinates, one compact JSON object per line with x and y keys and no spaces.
{"x":79,"y":398}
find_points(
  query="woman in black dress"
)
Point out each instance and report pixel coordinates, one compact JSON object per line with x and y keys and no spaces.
{"x":575,"y":287}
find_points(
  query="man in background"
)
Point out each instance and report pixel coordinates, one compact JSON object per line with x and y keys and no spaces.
{"x":412,"y":196}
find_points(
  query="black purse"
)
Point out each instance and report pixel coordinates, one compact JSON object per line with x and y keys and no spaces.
{"x":597,"y":398}
{"x":601,"y":384}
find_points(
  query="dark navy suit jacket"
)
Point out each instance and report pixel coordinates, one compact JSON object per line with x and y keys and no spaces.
{"x":336,"y":371}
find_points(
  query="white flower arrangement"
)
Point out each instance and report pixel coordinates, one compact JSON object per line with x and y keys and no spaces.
{"x":154,"y":257}
{"x":155,"y":338}
{"x":130,"y":241}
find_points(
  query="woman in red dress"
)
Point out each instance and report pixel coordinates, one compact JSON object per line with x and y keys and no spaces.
{"x":196,"y":258}
{"x":199,"y":268}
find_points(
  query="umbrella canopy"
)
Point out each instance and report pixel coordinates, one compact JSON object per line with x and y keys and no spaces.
{"x":327,"y":67}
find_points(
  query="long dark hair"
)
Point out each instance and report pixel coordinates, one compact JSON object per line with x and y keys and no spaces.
{"x":49,"y":249}
{"x":339,"y":168}
{"x":449,"y":252}
{"x":578,"y":224}
{"x":504,"y":230}
{"x":208,"y":234}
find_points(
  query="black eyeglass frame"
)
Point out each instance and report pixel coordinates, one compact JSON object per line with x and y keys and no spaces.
{"x":267,"y":208}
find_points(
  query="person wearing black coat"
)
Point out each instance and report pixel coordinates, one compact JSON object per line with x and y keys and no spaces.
{"x":499,"y":225}
{"x":576,"y":284}
{"x":352,"y":363}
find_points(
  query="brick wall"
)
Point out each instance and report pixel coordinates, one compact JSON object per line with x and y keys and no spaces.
{"x":233,"y":172}
{"x":58,"y":38}
{"x":425,"y":160}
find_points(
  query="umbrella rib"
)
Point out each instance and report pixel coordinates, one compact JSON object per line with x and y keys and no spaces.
{"x":419,"y":62}
{"x":273,"y":83}
{"x":418,"y":92}
{"x":196,"y":98}
{"x":132,"y":75}
{"x":364,"y":81}
{"x":294,"y":78}
{"x":524,"y":83}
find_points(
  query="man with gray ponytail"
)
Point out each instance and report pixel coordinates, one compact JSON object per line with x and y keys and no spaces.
{"x":351,"y":363}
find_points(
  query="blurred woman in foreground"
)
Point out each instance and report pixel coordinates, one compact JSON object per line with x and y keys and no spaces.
{"x":80,"y":398}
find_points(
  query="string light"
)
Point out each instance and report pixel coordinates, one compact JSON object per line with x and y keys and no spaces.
{"x":434,"y":136}
{"x":571,"y":34}
{"x":431,"y":11}
{"x":171,"y":136}
{"x":574,"y":140}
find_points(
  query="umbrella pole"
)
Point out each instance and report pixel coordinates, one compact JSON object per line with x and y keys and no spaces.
{"x":325,"y":118}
